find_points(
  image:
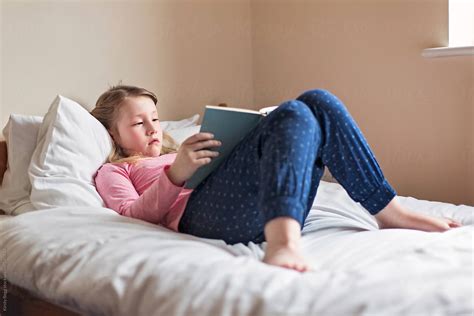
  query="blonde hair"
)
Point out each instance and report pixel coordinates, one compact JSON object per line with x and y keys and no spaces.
{"x":106,"y":112}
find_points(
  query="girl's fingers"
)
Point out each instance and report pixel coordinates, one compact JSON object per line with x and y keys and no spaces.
{"x":205,"y":144}
{"x":197,"y":138}
{"x":206,"y":153}
{"x":203,"y":161}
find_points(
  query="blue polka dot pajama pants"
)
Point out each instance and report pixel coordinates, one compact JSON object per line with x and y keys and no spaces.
{"x":275,"y":171}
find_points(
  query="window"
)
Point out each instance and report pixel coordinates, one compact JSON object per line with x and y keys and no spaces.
{"x":461,"y":31}
{"x":461,"y":23}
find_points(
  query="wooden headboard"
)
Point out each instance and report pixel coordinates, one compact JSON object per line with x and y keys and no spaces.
{"x":3,"y":159}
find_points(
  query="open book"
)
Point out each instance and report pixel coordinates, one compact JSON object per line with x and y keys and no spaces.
{"x":230,"y":126}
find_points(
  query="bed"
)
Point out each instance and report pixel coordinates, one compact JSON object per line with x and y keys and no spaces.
{"x":82,"y":258}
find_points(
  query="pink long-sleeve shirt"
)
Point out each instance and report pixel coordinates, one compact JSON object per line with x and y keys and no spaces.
{"x":143,"y":190}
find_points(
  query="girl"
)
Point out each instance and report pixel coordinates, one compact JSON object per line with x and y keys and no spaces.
{"x":263,"y":191}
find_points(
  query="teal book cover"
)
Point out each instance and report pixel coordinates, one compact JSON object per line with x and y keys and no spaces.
{"x":230,"y":126}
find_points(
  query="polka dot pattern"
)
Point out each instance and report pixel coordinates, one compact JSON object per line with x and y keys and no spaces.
{"x":275,"y":171}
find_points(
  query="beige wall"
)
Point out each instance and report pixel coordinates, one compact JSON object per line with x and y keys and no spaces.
{"x":416,"y":113}
{"x":412,"y":110}
{"x":470,"y":157}
{"x":189,"y":52}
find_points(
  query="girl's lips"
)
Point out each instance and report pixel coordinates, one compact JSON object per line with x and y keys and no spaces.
{"x":155,"y":141}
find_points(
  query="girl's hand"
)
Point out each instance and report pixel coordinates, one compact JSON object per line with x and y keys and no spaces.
{"x":192,"y":154}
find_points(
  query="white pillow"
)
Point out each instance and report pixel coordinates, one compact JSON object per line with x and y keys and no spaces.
{"x":180,"y":134}
{"x":71,"y":147}
{"x":172,"y":125}
{"x":20,"y":134}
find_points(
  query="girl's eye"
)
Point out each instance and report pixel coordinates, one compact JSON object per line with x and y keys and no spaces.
{"x":139,"y":123}
{"x":154,"y":120}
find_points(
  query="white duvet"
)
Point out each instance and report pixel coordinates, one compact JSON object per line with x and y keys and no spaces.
{"x":97,"y":262}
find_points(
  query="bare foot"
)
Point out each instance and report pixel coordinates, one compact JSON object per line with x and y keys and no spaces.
{"x":286,"y":257}
{"x":283,"y":240}
{"x":394,"y":215}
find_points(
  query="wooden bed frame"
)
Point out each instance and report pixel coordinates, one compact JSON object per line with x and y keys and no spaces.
{"x":18,"y":301}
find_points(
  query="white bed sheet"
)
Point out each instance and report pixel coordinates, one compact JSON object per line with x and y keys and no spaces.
{"x":96,"y":262}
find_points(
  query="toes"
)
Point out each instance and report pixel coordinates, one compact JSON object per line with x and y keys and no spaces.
{"x":302,"y":267}
{"x":452,"y":223}
{"x":286,"y":258}
{"x":295,"y":266}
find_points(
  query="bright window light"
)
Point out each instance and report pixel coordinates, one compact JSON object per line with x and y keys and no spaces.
{"x":461,"y":23}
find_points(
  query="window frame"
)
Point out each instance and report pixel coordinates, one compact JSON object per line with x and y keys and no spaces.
{"x":460,"y":47}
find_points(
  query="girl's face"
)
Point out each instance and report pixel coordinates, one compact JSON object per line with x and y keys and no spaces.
{"x":137,"y":128}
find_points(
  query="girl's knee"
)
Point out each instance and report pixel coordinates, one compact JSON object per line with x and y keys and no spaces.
{"x":293,"y":109}
{"x":323,"y":99}
{"x":297,"y":113}
{"x":315,"y":94}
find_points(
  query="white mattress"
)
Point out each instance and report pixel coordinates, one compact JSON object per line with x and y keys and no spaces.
{"x":96,"y":262}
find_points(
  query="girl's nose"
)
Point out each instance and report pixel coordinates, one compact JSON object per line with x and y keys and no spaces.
{"x":152,"y":131}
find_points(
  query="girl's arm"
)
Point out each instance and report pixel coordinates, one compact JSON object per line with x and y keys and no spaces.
{"x":118,"y":192}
